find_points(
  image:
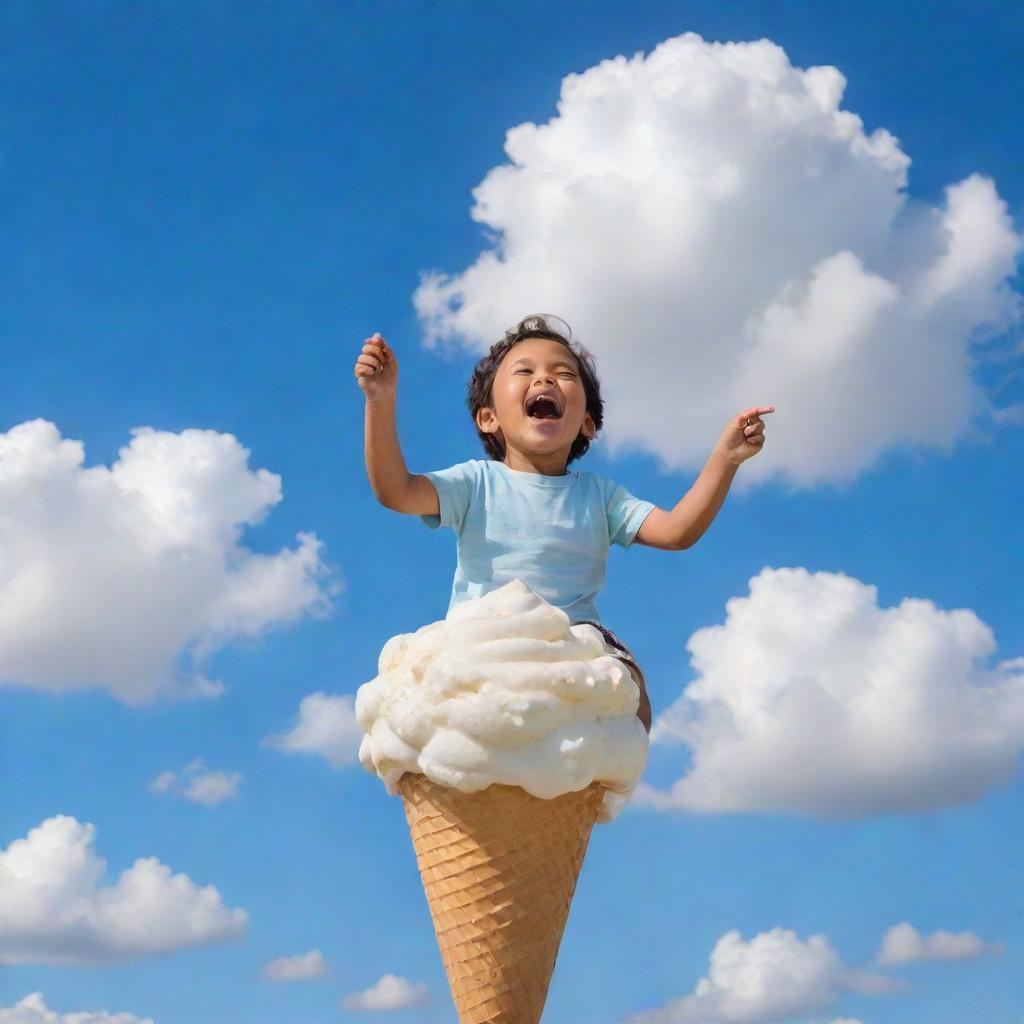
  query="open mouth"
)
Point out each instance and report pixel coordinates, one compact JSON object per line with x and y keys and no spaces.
{"x":543,"y":407}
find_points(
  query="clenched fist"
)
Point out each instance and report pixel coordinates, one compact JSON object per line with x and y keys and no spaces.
{"x":743,"y":436}
{"x":376,"y":369}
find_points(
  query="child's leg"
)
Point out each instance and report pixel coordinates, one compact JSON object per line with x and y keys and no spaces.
{"x":618,"y":649}
{"x":643,"y":712}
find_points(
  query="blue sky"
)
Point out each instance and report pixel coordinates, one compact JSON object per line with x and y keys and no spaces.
{"x":208,"y":207}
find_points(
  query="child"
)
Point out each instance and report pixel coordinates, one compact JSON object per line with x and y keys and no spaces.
{"x":536,"y":402}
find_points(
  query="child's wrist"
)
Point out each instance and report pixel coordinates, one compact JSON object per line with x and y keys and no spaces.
{"x":724,"y":455}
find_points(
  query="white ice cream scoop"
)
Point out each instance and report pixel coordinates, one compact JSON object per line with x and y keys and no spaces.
{"x":504,"y":690}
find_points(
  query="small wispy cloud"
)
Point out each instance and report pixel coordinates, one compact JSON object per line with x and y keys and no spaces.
{"x":33,"y":1010}
{"x":304,"y":967}
{"x":904,"y":944}
{"x":198,"y":784}
{"x":325,"y":725}
{"x":390,"y":993}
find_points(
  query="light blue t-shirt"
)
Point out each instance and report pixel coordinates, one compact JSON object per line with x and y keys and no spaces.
{"x":551,"y":532}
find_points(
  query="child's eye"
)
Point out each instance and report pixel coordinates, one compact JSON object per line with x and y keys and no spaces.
{"x":564,"y":373}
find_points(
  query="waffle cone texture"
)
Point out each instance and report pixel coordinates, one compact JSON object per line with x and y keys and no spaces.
{"x":499,"y":868}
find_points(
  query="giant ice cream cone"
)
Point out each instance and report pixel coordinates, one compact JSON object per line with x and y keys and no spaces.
{"x":499,"y":868}
{"x":508,"y":732}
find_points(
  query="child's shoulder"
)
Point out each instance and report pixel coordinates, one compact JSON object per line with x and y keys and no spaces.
{"x":598,"y":479}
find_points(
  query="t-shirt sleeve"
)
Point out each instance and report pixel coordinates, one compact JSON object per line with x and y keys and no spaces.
{"x":625,"y":513}
{"x":454,"y":487}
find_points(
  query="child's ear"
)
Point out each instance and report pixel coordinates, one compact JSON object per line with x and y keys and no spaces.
{"x":587,"y":428}
{"x":487,"y":421}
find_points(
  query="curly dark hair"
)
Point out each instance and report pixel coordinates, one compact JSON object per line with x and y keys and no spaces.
{"x":481,"y":381}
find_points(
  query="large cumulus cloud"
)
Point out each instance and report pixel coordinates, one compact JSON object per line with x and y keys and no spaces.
{"x":777,"y":977}
{"x":810,"y":698}
{"x":129,"y":577}
{"x":55,"y":909}
{"x":720,"y":233}
{"x":774,"y":977}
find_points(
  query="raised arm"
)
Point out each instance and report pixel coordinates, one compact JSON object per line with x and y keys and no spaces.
{"x":376,"y":372}
{"x":681,"y":528}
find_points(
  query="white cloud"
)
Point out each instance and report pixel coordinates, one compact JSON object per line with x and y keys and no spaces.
{"x":165,"y":782}
{"x":129,"y":577}
{"x":212,"y":787}
{"x":720,"y":234}
{"x":296,"y":968}
{"x":199,"y":785}
{"x":326,"y":726}
{"x":812,"y":699}
{"x":390,"y":993}
{"x":773,"y":977}
{"x":33,"y":1010}
{"x":54,"y":909}
{"x":903,"y":944}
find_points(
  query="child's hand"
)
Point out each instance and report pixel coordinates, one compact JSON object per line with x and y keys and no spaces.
{"x":376,"y":369}
{"x":744,"y":434}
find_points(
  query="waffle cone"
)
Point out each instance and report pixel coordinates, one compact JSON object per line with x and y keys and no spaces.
{"x":499,"y":868}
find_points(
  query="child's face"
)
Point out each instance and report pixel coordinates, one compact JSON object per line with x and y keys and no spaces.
{"x":533,"y":367}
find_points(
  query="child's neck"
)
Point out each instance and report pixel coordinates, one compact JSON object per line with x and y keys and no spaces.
{"x":552,"y":464}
